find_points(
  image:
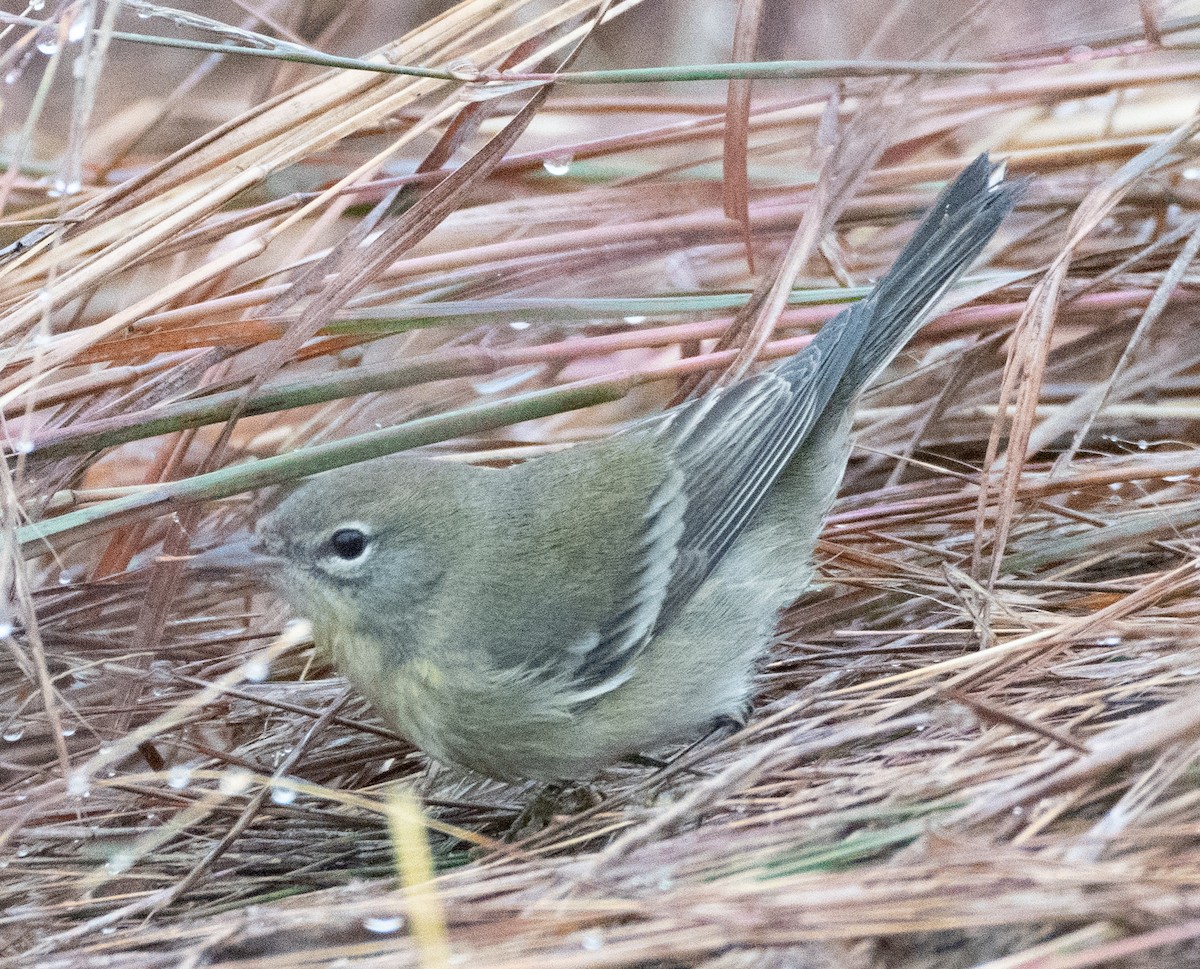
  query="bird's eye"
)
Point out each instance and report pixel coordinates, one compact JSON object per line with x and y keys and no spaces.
{"x":348,"y":543}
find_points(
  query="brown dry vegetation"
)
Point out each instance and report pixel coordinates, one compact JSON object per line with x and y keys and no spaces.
{"x":975,"y":746}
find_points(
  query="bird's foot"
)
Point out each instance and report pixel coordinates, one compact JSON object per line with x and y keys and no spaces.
{"x":553,"y":800}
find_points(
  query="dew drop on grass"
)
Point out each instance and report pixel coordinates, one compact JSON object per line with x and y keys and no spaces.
{"x":119,"y":863}
{"x":63,"y":187}
{"x":47,"y":41}
{"x":383,"y":925}
{"x":234,"y":781}
{"x":257,"y":669}
{"x":592,"y":941}
{"x":557,"y":164}
{"x":13,"y":733}
{"x":179,"y":777}
{"x":463,"y":69}
{"x":282,"y":795}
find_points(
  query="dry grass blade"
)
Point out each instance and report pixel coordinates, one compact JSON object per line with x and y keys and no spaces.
{"x":1024,"y":372}
{"x":737,"y":124}
{"x":974,"y":747}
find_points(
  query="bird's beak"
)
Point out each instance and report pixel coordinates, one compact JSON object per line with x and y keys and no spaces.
{"x":236,"y":558}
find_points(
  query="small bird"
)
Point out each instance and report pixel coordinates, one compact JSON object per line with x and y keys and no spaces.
{"x":543,"y":621}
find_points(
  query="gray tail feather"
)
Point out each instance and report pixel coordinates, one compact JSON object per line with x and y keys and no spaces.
{"x":859,"y":342}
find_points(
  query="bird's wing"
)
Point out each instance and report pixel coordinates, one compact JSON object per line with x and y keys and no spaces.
{"x":659,"y":505}
{"x":730,"y":446}
{"x":600,"y":525}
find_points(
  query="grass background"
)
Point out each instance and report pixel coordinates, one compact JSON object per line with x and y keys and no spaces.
{"x":974,"y":746}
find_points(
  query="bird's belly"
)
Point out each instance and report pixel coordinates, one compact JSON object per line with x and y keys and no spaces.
{"x":506,"y":730}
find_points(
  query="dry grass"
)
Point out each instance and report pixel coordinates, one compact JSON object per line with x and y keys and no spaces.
{"x":975,"y":746}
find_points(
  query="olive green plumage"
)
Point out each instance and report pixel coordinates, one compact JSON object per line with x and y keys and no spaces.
{"x":545,"y":620}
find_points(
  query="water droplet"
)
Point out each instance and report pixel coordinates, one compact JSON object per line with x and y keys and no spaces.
{"x":1189,"y":173}
{"x":1175,"y":477}
{"x":12,"y":76}
{"x":1018,"y":811}
{"x":1109,"y":641}
{"x":179,"y":777}
{"x":463,"y":69}
{"x":13,"y":733}
{"x":63,"y":187}
{"x":119,"y":863}
{"x":1142,"y":445}
{"x":282,"y":795}
{"x":257,"y":669}
{"x":518,"y":325}
{"x":64,"y":577}
{"x":78,"y":29}
{"x":79,"y":784}
{"x":383,"y":925}
{"x":1116,"y":485}
{"x":592,"y":941}
{"x":558,"y":164}
{"x":37,"y":4}
{"x":6,"y":630}
{"x":234,"y":781}
{"x":144,"y":14}
{"x":23,"y":446}
{"x":23,"y":851}
{"x":108,"y":930}
{"x":69,"y":729}
{"x":47,"y":41}
{"x":635,"y":320}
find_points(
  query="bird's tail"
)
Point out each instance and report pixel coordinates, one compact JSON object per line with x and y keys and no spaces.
{"x":859,"y":342}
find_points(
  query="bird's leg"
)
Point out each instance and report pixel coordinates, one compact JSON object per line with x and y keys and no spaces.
{"x":557,"y":797}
